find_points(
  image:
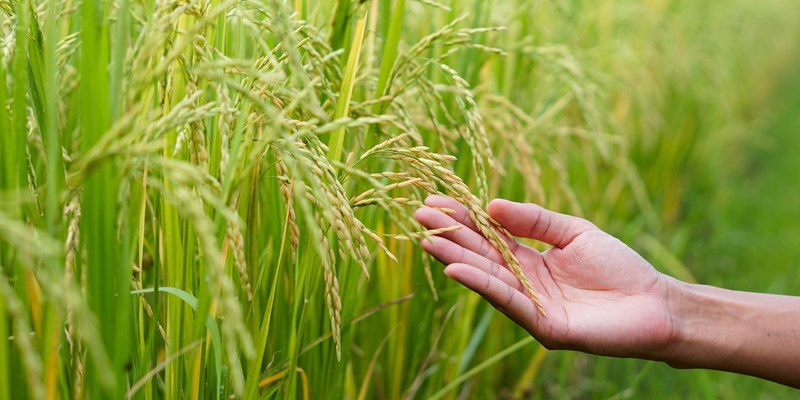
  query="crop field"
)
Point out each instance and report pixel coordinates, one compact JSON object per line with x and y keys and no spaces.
{"x":214,"y":198}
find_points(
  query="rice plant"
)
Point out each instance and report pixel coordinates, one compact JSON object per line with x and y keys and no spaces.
{"x":214,"y":198}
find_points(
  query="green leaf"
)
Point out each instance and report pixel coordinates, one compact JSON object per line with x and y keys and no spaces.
{"x":211,"y":324}
{"x":346,"y":92}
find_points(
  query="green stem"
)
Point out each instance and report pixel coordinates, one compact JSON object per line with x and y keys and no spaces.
{"x":346,"y":92}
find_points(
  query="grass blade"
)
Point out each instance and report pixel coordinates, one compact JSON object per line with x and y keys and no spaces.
{"x":346,"y":92}
{"x":482,"y":366}
{"x":389,"y":53}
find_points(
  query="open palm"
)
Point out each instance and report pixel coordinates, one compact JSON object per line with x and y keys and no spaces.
{"x":600,"y":296}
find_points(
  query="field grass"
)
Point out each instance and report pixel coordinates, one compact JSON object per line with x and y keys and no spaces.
{"x":214,"y":198}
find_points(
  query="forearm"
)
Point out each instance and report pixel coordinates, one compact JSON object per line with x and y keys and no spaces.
{"x":748,"y":333}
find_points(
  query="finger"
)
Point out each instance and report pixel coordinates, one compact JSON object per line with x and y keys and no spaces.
{"x":449,"y":253}
{"x":434,"y":219}
{"x":463,"y":216}
{"x":536,"y":222}
{"x":461,"y":213}
{"x":511,"y":302}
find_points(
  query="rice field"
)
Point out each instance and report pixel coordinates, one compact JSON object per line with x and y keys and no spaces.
{"x":214,"y":198}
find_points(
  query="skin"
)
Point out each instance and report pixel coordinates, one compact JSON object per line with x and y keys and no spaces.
{"x":602,"y":298}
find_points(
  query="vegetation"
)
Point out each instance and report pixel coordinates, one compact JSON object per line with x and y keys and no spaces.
{"x":214,"y":198}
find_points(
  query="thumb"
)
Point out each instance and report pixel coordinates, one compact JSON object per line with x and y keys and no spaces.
{"x":536,"y":222}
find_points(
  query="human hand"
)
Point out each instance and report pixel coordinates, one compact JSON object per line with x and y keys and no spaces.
{"x":600,"y":296}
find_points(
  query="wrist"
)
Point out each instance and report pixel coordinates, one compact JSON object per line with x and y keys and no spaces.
{"x":680,"y":302}
{"x":704,"y":326}
{"x":748,"y":333}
